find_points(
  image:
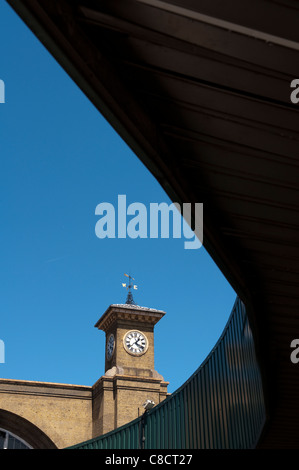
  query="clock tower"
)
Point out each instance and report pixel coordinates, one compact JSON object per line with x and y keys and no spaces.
{"x":130,"y":376}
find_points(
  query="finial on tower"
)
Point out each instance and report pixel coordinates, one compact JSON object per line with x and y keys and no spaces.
{"x":129,"y":286}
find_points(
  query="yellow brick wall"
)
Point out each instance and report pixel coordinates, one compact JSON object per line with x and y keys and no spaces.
{"x":62,"y":412}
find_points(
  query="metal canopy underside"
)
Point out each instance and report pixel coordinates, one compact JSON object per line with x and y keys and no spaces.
{"x":201,"y":93}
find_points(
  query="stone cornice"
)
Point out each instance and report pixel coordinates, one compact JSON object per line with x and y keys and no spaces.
{"x":116,"y":312}
{"x":27,"y":387}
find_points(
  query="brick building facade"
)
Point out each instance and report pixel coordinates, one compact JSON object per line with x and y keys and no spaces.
{"x":52,"y":415}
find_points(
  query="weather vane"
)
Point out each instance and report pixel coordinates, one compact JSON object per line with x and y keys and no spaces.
{"x":129,"y":286}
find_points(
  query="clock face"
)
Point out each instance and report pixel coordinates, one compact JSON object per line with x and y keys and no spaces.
{"x":135,"y":342}
{"x":110,"y":346}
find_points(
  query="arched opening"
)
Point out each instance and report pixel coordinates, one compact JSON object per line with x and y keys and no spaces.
{"x":19,"y":433}
{"x":9,"y":440}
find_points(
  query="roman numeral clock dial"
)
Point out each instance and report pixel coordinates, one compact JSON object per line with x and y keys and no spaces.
{"x":110,"y":347}
{"x":135,"y":342}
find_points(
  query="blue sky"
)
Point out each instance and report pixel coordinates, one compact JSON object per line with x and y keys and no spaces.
{"x":59,"y":159}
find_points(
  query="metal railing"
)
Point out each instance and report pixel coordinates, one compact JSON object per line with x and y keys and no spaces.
{"x":221,"y":406}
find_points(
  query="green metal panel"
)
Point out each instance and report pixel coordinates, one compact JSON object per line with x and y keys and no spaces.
{"x":220,"y":406}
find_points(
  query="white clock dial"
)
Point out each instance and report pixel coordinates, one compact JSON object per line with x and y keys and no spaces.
{"x":135,"y":342}
{"x":110,"y":346}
